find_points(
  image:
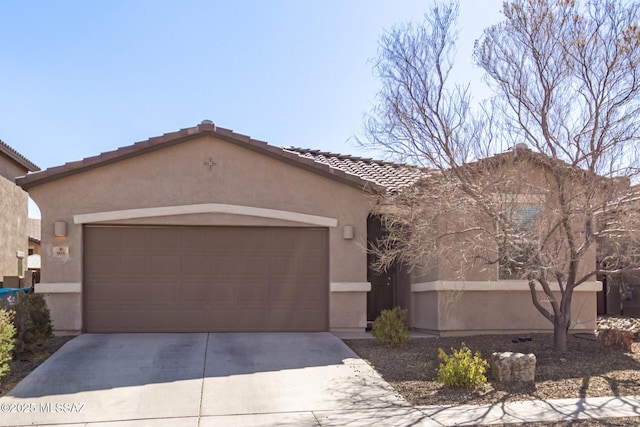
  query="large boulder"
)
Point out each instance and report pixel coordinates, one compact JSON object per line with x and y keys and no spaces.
{"x":615,"y":339}
{"x":513,"y":367}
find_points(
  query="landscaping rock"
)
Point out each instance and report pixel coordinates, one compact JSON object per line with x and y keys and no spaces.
{"x":513,"y":367}
{"x":615,"y":339}
{"x":620,"y":322}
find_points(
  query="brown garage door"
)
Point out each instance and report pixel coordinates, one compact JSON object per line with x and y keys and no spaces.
{"x":192,"y":279}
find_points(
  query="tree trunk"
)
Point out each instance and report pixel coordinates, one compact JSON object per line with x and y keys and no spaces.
{"x":560,"y":331}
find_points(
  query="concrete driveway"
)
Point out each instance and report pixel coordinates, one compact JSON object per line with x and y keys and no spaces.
{"x":248,"y":379}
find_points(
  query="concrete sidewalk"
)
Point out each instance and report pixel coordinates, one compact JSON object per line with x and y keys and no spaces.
{"x":534,"y":411}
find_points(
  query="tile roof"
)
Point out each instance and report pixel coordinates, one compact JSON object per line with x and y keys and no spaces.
{"x":355,"y":171}
{"x":206,"y":128}
{"x":392,"y":176}
{"x":17,"y":157}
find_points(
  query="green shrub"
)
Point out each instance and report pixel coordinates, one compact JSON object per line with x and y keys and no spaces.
{"x":7,"y":333}
{"x":389,"y":329}
{"x":462,"y":368}
{"x":32,"y":321}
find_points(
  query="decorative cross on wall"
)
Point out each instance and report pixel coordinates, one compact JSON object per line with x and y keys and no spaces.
{"x":210,"y":163}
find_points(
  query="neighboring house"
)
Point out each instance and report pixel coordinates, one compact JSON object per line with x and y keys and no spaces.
{"x":13,"y":212}
{"x":205,"y":229}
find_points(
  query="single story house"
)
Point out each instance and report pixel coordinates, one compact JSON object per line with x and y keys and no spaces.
{"x":14,"y":239}
{"x":205,"y":229}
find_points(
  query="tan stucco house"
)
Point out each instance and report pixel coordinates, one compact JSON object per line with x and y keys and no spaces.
{"x":205,"y":229}
{"x":14,"y":239}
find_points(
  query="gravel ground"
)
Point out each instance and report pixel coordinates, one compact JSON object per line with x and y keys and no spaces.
{"x":585,"y":370}
{"x":23,"y":365}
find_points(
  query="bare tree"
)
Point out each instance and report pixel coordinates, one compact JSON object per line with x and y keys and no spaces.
{"x":566,"y":82}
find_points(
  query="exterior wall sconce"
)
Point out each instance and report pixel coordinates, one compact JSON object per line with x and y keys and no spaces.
{"x":20,"y":256}
{"x":60,"y":229}
{"x":347,"y":232}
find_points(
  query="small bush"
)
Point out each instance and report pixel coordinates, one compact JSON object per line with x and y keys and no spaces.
{"x":32,"y":321}
{"x":462,"y":369}
{"x":389,"y":329}
{"x":7,"y":343}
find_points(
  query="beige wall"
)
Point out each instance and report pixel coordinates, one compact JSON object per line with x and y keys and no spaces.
{"x":176,"y":176}
{"x":13,"y":227}
{"x":469,"y":308}
{"x":10,"y":169}
{"x":458,"y":253}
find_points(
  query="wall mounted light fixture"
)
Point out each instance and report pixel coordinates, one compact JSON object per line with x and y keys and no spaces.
{"x":60,"y":229}
{"x":347,"y":232}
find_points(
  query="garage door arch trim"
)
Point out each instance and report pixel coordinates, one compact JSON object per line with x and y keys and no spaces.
{"x":219,"y":208}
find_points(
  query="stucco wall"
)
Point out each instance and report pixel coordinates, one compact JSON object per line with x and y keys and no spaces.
{"x":453,"y":309}
{"x":13,"y":227}
{"x":512,"y":182}
{"x":10,"y":169}
{"x":177,"y":176}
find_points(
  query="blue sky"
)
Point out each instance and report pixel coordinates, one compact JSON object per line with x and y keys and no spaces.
{"x":81,"y":77}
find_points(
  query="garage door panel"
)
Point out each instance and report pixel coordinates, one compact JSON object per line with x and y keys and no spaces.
{"x":105,"y":298}
{"x":102,"y":265}
{"x":195,"y":240}
{"x":312,"y":295}
{"x":311,"y":318}
{"x":252,"y":292}
{"x":195,"y":291}
{"x":225,"y":265}
{"x":309,"y":268}
{"x":223,"y":292}
{"x":284,"y":293}
{"x":280,"y":319}
{"x":166,"y":265}
{"x":253,"y":319}
{"x":196,"y":265}
{"x":163,"y":294}
{"x":102,"y":320}
{"x":135,"y":265}
{"x":133,"y":292}
{"x":164,"y":238}
{"x":225,"y":319}
{"x":253,"y":266}
{"x":225,"y":239}
{"x":194,"y":320}
{"x":134,"y":239}
{"x":102,"y":238}
{"x":155,"y":319}
{"x":196,"y":279}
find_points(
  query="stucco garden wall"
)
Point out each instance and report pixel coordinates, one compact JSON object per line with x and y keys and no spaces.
{"x":13,"y":227}
{"x":498,"y":307}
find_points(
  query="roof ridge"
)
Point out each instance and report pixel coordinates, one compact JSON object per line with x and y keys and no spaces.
{"x":15,"y":155}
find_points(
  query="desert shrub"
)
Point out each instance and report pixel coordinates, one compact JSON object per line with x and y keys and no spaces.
{"x":32,"y":321}
{"x":7,"y":333}
{"x":462,"y":369}
{"x":389,"y":329}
